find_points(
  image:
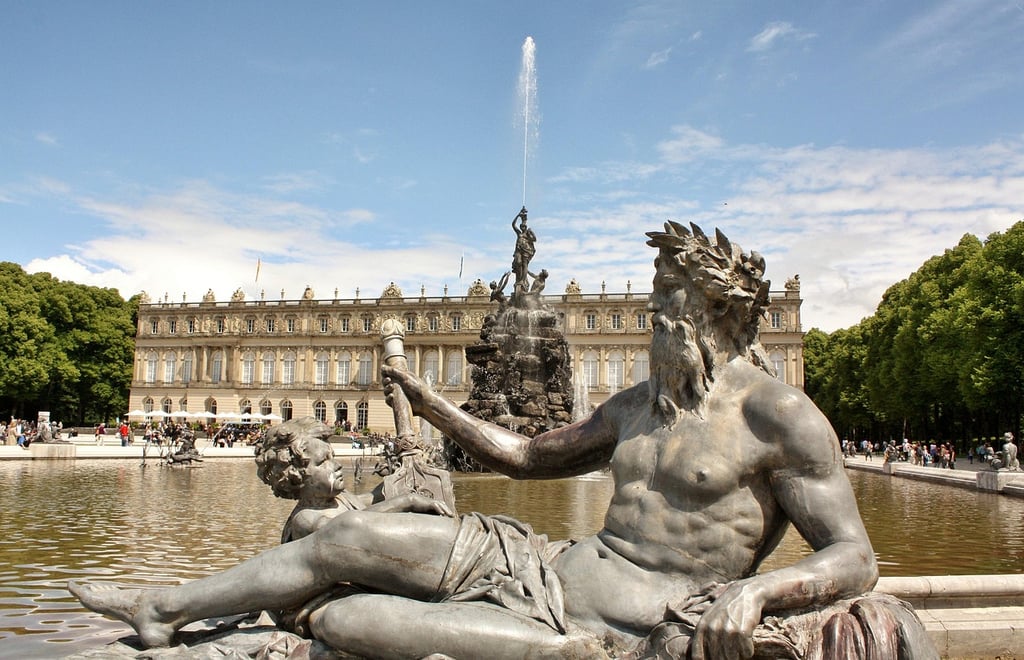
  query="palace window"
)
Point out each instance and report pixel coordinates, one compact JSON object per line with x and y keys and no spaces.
{"x":270,"y":325}
{"x":286,"y":410}
{"x":320,"y":411}
{"x":154,"y":327}
{"x":453,"y":369}
{"x":641,"y":367}
{"x":344,"y":369}
{"x":322,"y":367}
{"x":616,"y":370}
{"x":268,"y":368}
{"x":616,"y":321}
{"x":323,"y":324}
{"x":778,"y":360}
{"x":456,"y":322}
{"x":170,"y":361}
{"x":590,"y":321}
{"x":641,"y":321}
{"x":365,"y":375}
{"x":151,"y":368}
{"x":362,"y":415}
{"x":191,"y":326}
{"x":289,"y":325}
{"x":172,"y":326}
{"x":220,"y":326}
{"x":590,"y":375}
{"x":776,"y":319}
{"x":410,"y":323}
{"x":248,"y":368}
{"x":432,"y":322}
{"x":288,"y":369}
{"x":217,"y":367}
{"x":367,"y":323}
{"x":250,"y":325}
{"x":345,"y":324}
{"x":430,"y":367}
{"x":186,"y":369}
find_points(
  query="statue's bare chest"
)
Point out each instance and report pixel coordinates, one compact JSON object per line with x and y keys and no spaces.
{"x":693,"y":459}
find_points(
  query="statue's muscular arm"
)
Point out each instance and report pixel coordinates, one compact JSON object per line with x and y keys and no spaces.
{"x":808,"y":482}
{"x":570,"y":450}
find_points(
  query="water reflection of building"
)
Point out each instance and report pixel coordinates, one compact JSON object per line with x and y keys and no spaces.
{"x":321,"y":357}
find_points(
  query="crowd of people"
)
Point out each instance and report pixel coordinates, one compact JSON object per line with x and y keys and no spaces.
{"x":22,"y":432}
{"x":925,"y":454}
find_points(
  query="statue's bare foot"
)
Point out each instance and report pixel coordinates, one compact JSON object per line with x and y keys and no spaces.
{"x":126,"y":604}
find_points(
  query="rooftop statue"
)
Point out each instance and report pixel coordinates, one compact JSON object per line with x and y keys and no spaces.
{"x":711,"y":459}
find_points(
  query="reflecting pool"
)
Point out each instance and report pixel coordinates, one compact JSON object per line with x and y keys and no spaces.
{"x":115,"y":520}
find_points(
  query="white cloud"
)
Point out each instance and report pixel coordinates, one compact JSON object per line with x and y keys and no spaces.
{"x":657,"y":58}
{"x":48,"y":139}
{"x":775,"y":33}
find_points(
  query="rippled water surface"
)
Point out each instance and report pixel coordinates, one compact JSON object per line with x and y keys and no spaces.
{"x":116,"y":520}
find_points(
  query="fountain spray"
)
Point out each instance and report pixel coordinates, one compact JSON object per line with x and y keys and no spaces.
{"x":528,"y":103}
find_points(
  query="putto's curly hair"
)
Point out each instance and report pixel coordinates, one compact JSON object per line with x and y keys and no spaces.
{"x":730,"y":280}
{"x":282,"y":455}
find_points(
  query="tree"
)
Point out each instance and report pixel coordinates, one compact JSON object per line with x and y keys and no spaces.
{"x":64,"y":347}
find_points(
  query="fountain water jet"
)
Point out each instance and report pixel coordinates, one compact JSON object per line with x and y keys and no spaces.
{"x":528,"y":104}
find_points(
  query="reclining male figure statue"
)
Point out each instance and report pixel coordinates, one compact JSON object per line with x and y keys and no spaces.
{"x":711,"y":459}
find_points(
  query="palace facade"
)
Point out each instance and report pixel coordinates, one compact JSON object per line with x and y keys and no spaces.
{"x":321,"y":357}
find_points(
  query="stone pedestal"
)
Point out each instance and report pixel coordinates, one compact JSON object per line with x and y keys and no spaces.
{"x":995,"y":480}
{"x":51,"y":451}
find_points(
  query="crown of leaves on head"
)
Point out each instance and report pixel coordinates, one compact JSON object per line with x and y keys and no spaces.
{"x":721,"y":268}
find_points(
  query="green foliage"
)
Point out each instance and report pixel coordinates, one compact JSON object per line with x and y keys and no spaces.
{"x":64,"y":347}
{"x":941,"y":358}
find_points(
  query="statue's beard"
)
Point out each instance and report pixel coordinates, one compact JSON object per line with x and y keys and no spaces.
{"x":678,"y":379}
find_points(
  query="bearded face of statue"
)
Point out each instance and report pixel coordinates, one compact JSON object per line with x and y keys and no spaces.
{"x":678,"y":380}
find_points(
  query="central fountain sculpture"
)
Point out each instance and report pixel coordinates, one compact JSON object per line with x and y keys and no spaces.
{"x":522,"y":375}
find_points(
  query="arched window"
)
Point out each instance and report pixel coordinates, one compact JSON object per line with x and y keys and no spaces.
{"x":288,"y":368}
{"x":430,"y":367}
{"x":340,"y":412}
{"x":265,"y":407}
{"x":641,"y":367}
{"x":453,"y":368}
{"x":165,"y":405}
{"x":248,"y":368}
{"x":147,"y":404}
{"x":362,"y":415}
{"x":365,"y":376}
{"x":590,"y":375}
{"x":151,"y":359}
{"x":320,"y":411}
{"x":217,"y":367}
{"x":410,"y":358}
{"x":211,"y":406}
{"x":286,"y":410}
{"x":616,"y":370}
{"x":778,"y":360}
{"x":268,"y":369}
{"x":323,"y":362}
{"x":170,"y":361}
{"x":186,"y":368}
{"x":245,"y":407}
{"x":344,"y":368}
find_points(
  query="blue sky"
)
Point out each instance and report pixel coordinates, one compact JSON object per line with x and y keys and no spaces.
{"x":167,"y":147}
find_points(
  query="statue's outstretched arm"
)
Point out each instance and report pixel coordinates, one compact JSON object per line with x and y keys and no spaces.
{"x":567,"y":451}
